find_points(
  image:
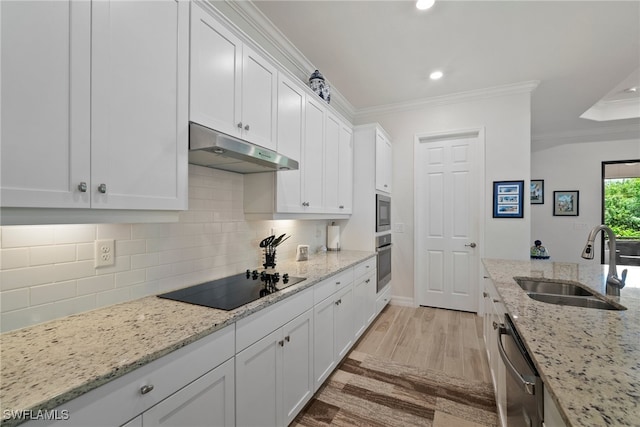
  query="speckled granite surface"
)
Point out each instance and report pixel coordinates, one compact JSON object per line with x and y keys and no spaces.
{"x":46,"y":365}
{"x":589,"y":359}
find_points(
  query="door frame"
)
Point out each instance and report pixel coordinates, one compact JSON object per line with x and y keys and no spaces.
{"x":421,"y":138}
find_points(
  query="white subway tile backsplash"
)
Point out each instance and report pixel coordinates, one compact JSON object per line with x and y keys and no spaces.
{"x":25,"y":236}
{"x":132,"y":277}
{"x":42,"y":255}
{"x":72,"y":270}
{"x":111,"y":297}
{"x":76,"y":233}
{"x":25,"y":277}
{"x":53,"y":292}
{"x":93,"y":285}
{"x":47,"y":272}
{"x":14,"y":300}
{"x":14,"y":258}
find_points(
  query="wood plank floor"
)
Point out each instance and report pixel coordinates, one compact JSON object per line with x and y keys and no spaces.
{"x":429,"y":338}
{"x":413,"y":367}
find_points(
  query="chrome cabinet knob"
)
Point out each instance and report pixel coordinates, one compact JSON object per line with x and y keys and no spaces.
{"x":146,"y":389}
{"x":287,"y":338}
{"x":82,"y":187}
{"x":240,"y":125}
{"x":246,"y":127}
{"x":341,"y":207}
{"x":281,"y":343}
{"x":102,"y":188}
{"x":485,"y":295}
{"x":471,"y":245}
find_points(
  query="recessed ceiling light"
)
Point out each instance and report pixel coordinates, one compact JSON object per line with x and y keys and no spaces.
{"x":632,"y":89}
{"x":424,"y":4}
{"x":436,"y":75}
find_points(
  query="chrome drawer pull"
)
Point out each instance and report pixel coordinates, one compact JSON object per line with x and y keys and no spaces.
{"x":146,"y":389}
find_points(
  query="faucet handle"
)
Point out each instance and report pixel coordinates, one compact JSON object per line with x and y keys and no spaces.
{"x":623,"y":277}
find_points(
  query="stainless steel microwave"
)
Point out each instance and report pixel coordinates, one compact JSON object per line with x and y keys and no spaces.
{"x":383,"y":213}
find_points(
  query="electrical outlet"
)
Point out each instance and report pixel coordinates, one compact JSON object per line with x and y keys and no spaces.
{"x":105,"y":253}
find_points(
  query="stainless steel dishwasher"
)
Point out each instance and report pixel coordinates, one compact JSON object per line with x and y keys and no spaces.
{"x":524,"y":386}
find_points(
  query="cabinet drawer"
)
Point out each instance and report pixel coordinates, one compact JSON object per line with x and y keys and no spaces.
{"x":333,"y":284}
{"x":262,"y":323}
{"x":383,"y":299}
{"x":365,"y":268}
{"x":122,"y":399}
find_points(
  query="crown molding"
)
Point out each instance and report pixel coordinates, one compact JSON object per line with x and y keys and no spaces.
{"x":613,"y":110}
{"x":619,"y":132}
{"x":279,"y":42}
{"x":454,"y":98}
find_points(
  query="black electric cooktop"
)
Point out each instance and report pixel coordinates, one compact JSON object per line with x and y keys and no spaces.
{"x":234,"y":291}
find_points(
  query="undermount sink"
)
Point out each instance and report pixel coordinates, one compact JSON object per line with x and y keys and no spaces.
{"x":575,"y":301}
{"x":563,"y":293}
{"x":545,"y":286}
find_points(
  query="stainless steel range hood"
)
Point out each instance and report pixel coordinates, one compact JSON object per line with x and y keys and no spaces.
{"x":217,"y":150}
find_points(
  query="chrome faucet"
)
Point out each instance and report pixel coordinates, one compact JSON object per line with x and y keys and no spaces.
{"x":614,"y":283}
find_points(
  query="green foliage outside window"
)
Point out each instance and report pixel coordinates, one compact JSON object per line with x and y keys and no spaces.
{"x":622,"y":206}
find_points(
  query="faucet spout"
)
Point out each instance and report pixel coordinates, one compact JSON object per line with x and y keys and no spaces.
{"x":614,"y":283}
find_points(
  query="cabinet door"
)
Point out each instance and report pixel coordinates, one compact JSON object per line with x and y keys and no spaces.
{"x":45,"y":103}
{"x":323,"y":338}
{"x":297,"y":365}
{"x":209,"y":401}
{"x":370,"y":309}
{"x":331,"y":163}
{"x":259,"y":383}
{"x":343,"y":326}
{"x":216,"y":74}
{"x":291,"y":116}
{"x":360,"y":305}
{"x":312,"y":166}
{"x":383,"y":163}
{"x":259,"y":99}
{"x":345,"y":170}
{"x":139,"y":128}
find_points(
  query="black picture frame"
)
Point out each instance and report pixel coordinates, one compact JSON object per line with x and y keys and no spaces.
{"x":566,"y":203}
{"x":508,"y":199}
{"x":536,"y":190}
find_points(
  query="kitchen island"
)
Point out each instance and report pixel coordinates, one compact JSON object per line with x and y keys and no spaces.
{"x":588,"y":359}
{"x":47,"y":365}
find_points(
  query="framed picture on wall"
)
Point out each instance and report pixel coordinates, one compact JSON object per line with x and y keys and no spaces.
{"x":537,"y":191}
{"x":508,"y":197}
{"x":566,"y":203}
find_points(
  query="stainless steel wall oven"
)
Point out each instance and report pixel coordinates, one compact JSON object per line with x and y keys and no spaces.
{"x":383,"y":247}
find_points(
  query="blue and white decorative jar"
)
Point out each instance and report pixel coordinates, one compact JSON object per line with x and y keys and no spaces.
{"x":319,"y":86}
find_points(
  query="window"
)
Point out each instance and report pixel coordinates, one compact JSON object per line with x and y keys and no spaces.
{"x":621,"y":208}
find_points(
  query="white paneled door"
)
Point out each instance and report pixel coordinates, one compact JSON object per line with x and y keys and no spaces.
{"x":448,"y":211}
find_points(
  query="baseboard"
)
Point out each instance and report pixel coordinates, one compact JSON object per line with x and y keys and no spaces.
{"x":402,"y":301}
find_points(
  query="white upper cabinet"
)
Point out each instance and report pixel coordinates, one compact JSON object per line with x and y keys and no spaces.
{"x":233,"y":89}
{"x":139,"y":98}
{"x":312,"y":165}
{"x":45,"y":112}
{"x":94,"y":104}
{"x":345,"y":170}
{"x":291,"y":119}
{"x":383,"y":163}
{"x":331,"y":163}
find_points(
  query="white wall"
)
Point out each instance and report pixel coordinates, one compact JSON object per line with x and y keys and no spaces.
{"x":47,"y":272}
{"x":575,"y":166}
{"x":506,"y":121}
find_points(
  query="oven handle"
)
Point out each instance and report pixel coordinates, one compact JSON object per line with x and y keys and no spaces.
{"x":527,"y":382}
{"x":384,"y":248}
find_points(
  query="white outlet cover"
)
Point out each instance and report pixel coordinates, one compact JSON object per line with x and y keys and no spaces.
{"x":105,"y":253}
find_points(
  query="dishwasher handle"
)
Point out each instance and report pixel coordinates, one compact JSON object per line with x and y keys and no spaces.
{"x":528,"y":382}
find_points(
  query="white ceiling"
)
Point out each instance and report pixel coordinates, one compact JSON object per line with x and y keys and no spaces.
{"x":380,"y":53}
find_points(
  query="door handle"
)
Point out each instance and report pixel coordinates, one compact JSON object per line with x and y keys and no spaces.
{"x":471,"y":245}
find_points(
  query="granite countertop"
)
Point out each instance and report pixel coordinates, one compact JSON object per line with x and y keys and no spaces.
{"x":46,"y":365}
{"x":588,"y":359}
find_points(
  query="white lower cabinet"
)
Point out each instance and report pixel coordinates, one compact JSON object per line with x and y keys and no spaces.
{"x":493,"y":317}
{"x":344,"y":331}
{"x":364,"y":294}
{"x":209,"y":401}
{"x":274,"y":375}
